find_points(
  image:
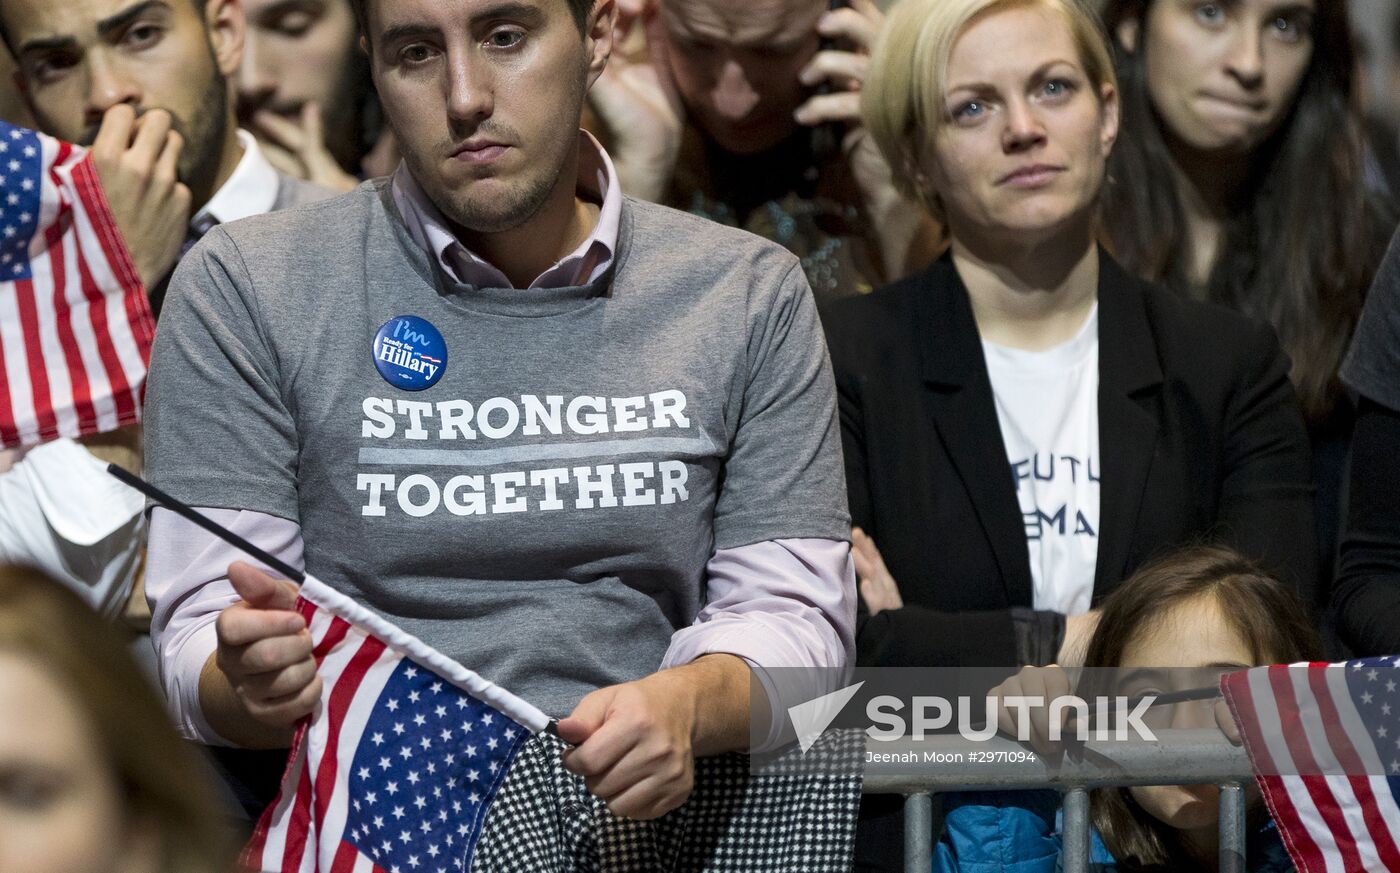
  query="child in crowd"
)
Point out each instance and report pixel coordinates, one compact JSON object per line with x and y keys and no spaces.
{"x":1185,"y":620}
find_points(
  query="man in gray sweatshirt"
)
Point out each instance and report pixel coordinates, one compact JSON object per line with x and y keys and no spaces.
{"x":585,"y":445}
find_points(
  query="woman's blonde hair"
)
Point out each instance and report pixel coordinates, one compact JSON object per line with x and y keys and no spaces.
{"x":903,"y":101}
{"x":163,"y":786}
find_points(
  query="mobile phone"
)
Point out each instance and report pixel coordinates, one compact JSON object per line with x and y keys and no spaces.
{"x":826,"y":138}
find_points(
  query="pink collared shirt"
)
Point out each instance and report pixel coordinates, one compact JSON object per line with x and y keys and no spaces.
{"x":597,"y":183}
{"x":780,"y":604}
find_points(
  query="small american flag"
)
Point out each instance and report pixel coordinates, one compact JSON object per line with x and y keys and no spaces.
{"x":1324,"y":743}
{"x":75,"y":325}
{"x":396,"y":768}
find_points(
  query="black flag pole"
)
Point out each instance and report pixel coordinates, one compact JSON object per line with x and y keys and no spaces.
{"x":228,"y":536}
{"x":218,"y":530}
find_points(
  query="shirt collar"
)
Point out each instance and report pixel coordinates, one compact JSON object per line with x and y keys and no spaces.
{"x":597,"y":181}
{"x":251,"y":190}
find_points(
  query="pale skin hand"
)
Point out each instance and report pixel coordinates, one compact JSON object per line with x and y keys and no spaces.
{"x":1047,"y":683}
{"x":897,"y":222}
{"x":877,"y":586}
{"x":261,"y":680}
{"x":636,"y":743}
{"x":137,"y":161}
{"x":635,"y":101}
{"x":1078,"y":631}
{"x":298,"y":148}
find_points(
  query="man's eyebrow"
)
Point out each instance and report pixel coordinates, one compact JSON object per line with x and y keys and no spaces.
{"x":510,"y":9}
{"x":46,"y":44}
{"x":128,"y":15}
{"x":395,"y":32}
{"x":277,"y":8}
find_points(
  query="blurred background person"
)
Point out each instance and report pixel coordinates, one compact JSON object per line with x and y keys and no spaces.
{"x":93,"y":778}
{"x":1367,"y":593}
{"x":304,"y":90}
{"x":12,"y":108}
{"x":1239,"y":179}
{"x":749,"y":113}
{"x":1381,"y":107}
{"x":146,"y":86}
{"x":93,"y":72}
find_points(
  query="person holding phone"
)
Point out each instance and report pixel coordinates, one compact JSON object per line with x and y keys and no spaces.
{"x":751,"y":117}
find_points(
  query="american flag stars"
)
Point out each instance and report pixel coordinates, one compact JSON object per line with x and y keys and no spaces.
{"x":18,"y":188}
{"x":439,"y":784}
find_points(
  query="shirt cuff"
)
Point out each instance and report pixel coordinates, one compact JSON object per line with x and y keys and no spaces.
{"x":187,"y":587}
{"x":785,"y":605}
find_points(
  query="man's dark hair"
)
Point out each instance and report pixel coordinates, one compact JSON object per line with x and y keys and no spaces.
{"x":580,"y":9}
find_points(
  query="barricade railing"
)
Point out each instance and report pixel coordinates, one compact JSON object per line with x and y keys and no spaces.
{"x":918,"y":769}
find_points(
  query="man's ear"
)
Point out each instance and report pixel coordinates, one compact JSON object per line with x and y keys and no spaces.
{"x":227,"y":26}
{"x":600,"y":32}
{"x":1127,"y":33}
{"x":914,"y":173}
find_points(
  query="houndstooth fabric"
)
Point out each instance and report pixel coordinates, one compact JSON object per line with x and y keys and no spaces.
{"x":544,"y":820}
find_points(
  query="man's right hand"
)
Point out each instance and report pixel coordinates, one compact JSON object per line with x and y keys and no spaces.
{"x":137,"y":161}
{"x":637,"y":104}
{"x":269,"y":679}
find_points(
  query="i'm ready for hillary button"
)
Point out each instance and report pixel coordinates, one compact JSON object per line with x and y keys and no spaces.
{"x":410,"y":353}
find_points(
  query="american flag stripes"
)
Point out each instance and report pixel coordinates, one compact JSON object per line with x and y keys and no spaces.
{"x":396,"y":769}
{"x":75,"y":325}
{"x":1324,"y":742}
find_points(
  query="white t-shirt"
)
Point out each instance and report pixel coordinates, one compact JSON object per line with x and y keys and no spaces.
{"x":1048,"y":407}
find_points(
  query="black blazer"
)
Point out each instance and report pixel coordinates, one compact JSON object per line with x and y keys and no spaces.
{"x":1200,"y":437}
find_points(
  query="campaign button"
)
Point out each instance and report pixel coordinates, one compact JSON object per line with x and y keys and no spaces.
{"x":410,"y":353}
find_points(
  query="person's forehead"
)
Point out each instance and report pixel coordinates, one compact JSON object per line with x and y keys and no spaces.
{"x":395,"y":12}
{"x":30,"y":19}
{"x":1189,"y":634}
{"x":742,"y":23}
{"x":1039,"y":35}
{"x":1272,"y":7}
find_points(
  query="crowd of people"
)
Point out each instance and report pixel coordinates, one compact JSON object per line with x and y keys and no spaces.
{"x":1057,"y":288}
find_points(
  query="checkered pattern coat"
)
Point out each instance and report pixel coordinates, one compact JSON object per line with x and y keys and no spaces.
{"x":545,"y":821}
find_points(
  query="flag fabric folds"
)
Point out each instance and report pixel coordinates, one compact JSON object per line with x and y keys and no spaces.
{"x":75,"y":326}
{"x":413,"y":764}
{"x":1324,"y":743}
{"x":400,"y":762}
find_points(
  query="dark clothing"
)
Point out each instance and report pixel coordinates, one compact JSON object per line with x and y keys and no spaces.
{"x":290,"y":192}
{"x":1200,"y":437}
{"x":1372,"y":366}
{"x":1366,"y":597}
{"x":808,"y":204}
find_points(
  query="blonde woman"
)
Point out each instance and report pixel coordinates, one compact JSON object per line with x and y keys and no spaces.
{"x":1025,"y":423}
{"x":93,"y":778}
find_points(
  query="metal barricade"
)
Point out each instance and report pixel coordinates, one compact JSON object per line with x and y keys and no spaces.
{"x":919,"y":769}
